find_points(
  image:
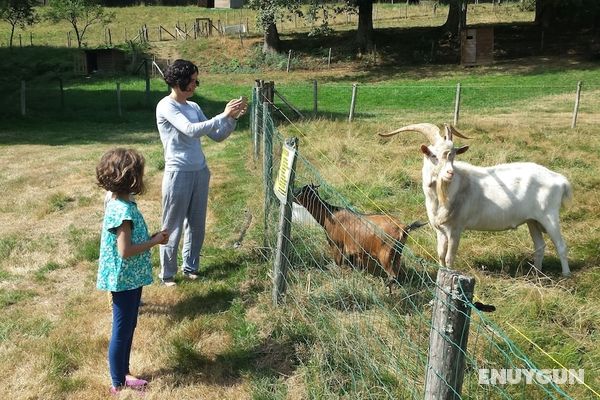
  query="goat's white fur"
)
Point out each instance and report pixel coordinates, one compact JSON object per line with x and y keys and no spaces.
{"x":460,"y":196}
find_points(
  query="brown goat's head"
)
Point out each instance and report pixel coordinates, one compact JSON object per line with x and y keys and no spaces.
{"x":307,"y":195}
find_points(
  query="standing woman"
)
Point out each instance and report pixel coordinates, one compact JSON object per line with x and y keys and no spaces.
{"x":181,"y":123}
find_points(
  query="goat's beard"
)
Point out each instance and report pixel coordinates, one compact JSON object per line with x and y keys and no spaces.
{"x":441,"y":189}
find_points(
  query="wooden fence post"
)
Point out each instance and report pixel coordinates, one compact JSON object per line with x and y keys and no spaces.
{"x":257,"y":107}
{"x":353,"y":102}
{"x":315,"y":97}
{"x":457,"y":104}
{"x":147,"y":77}
{"x":576,"y":109}
{"x":120,"y":112}
{"x":62,"y":94}
{"x":289,"y":61}
{"x":23,"y":100}
{"x":329,"y":59}
{"x":281,"y":262}
{"x":267,"y":144}
{"x":448,"y":336}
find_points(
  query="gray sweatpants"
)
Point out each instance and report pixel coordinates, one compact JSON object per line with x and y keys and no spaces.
{"x":184,"y":202}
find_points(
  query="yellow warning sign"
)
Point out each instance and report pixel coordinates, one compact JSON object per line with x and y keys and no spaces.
{"x":285,"y":169}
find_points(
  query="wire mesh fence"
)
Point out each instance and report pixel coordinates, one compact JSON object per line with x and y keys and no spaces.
{"x":360,"y":337}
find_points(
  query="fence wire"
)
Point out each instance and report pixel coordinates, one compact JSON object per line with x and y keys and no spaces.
{"x":359,"y":338}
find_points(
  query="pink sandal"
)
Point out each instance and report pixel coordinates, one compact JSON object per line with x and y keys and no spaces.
{"x":135,"y":383}
{"x":115,"y":390}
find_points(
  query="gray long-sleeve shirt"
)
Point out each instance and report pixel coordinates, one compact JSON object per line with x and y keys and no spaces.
{"x":181,"y":126}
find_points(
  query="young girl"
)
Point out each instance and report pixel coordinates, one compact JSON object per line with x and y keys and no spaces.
{"x":124,"y":266}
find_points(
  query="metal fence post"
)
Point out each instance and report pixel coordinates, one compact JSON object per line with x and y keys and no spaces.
{"x":576,"y":109}
{"x":23,"y":101}
{"x":457,"y":104}
{"x":352,"y":102}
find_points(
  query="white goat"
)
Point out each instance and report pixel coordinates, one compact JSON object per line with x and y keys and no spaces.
{"x":460,"y":196}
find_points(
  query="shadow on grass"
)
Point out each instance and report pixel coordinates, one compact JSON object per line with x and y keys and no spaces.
{"x":89,"y":117}
{"x":519,"y":265}
{"x":418,"y":48}
{"x":62,"y":108}
{"x":217,"y":300}
{"x":189,"y":367}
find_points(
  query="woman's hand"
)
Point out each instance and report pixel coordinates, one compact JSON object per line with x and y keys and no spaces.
{"x":236,"y":107}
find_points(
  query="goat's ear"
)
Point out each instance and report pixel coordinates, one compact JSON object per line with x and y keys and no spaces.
{"x":462,"y":149}
{"x":425,"y":150}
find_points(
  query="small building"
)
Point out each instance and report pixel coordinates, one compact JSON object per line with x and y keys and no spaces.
{"x":477,"y":46}
{"x":229,"y":3}
{"x":99,"y":60}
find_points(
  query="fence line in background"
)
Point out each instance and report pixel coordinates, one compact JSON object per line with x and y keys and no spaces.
{"x":390,"y":99}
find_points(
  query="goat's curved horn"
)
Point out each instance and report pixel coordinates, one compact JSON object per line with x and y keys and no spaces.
{"x":431,"y":131}
{"x":452,"y":131}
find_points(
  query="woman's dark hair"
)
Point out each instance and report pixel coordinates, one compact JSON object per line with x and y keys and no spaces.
{"x":180,"y":74}
{"x":121,"y":171}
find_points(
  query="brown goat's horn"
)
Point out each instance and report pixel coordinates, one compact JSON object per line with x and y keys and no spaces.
{"x":431,"y":131}
{"x":452,"y":131}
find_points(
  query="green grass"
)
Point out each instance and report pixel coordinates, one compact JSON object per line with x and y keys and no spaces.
{"x":325,"y":341}
{"x":41,"y":274}
{"x":10,"y":297}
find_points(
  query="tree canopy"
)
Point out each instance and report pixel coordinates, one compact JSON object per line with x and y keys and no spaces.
{"x":81,"y":14}
{"x":17,"y":13}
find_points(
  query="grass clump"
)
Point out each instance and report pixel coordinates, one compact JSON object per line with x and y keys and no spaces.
{"x":41,"y":274}
{"x":9,"y":297}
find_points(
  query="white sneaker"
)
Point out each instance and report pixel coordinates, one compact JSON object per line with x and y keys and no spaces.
{"x":192,"y":276}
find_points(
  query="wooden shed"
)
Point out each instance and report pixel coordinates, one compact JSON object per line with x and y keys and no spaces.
{"x":477,"y":46}
{"x":229,"y":3}
{"x":99,"y":60}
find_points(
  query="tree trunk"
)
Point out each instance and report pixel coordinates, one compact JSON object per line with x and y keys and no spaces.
{"x":542,"y":13}
{"x":457,"y":17}
{"x":271,"y":39}
{"x":364,"y":34}
{"x":12,"y":33}
{"x":78,"y":35}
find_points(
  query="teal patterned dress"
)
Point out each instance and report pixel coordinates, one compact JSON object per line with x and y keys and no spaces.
{"x":115,"y":273}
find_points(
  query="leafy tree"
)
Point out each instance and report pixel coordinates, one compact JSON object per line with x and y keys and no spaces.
{"x":17,"y":12}
{"x":81,"y":14}
{"x":268,"y":11}
{"x":364,"y":9}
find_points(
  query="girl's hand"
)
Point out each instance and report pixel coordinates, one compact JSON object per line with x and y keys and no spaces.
{"x":161,"y":237}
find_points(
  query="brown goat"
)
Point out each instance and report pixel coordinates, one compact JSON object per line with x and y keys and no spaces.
{"x":369,"y":241}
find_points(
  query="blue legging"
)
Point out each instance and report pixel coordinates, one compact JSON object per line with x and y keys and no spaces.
{"x":125,"y":312}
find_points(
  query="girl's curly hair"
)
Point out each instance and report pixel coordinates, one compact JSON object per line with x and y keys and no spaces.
{"x":121,"y":171}
{"x":180,"y":73}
